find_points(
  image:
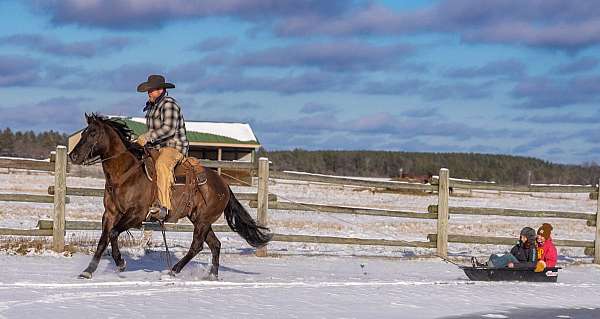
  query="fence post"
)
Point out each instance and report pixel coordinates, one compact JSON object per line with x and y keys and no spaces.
{"x":442,"y":222}
{"x":263,"y":198}
{"x":219,"y":158}
{"x":60,"y":192}
{"x":597,"y":240}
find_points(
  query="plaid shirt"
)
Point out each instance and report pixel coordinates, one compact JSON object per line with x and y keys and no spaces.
{"x":166,"y":126}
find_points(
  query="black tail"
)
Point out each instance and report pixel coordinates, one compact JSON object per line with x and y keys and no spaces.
{"x":242,"y":223}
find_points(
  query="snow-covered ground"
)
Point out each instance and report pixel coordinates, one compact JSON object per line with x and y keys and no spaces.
{"x":282,"y":287}
{"x":299,"y":280}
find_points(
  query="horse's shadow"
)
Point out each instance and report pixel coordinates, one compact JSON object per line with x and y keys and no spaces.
{"x":156,"y":261}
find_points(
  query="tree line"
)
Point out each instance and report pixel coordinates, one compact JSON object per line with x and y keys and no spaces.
{"x":503,"y":169}
{"x":30,"y":144}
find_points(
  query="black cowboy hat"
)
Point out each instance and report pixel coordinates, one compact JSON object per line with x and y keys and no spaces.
{"x":154,"y":82}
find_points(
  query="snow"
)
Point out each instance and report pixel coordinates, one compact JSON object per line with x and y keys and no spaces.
{"x":24,"y":159}
{"x":282,"y":287}
{"x":300,"y":279}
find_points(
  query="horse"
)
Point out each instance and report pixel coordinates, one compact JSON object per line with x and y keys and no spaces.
{"x":129,"y":193}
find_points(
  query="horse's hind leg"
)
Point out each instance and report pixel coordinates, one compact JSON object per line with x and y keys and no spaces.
{"x":215,"y":248}
{"x":116,"y":253}
{"x":200,"y":233}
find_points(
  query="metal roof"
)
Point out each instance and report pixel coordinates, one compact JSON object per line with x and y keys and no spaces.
{"x":210,"y":133}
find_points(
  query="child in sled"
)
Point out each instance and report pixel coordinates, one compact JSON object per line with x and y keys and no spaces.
{"x":522,"y":255}
{"x":546,"y":251}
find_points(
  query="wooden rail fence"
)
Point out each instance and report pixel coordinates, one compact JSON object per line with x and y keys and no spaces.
{"x":263,"y":201}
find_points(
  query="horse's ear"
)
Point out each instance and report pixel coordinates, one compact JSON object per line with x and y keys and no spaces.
{"x":88,"y":118}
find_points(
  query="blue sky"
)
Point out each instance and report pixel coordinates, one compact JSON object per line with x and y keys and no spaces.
{"x":505,"y":77}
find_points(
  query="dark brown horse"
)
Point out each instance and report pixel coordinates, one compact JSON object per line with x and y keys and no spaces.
{"x":129,"y":193}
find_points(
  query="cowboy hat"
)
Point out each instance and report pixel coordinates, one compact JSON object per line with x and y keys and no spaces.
{"x":154,"y":82}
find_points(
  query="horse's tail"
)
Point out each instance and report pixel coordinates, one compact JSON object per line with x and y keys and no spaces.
{"x":242,"y":223}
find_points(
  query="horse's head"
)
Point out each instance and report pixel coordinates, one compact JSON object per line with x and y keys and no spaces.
{"x":94,"y":140}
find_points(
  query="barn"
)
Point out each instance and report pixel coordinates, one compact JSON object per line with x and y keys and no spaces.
{"x":216,"y":141}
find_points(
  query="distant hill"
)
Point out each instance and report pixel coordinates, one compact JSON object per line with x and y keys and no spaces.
{"x":504,"y":169}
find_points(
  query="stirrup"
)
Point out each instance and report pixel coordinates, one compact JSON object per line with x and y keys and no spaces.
{"x":201,"y":179}
{"x":157,"y":213}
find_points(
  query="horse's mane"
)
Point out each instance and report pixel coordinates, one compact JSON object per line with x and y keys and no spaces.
{"x":123,"y":131}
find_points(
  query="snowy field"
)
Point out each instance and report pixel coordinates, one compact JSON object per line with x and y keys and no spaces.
{"x":299,"y":280}
{"x":283,"y":287}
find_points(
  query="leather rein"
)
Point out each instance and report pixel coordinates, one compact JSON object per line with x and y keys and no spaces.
{"x":110,"y":184}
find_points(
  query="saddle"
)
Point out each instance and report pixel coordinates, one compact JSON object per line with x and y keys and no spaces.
{"x":188,"y":173}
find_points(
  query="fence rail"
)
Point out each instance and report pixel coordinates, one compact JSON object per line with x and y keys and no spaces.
{"x":48,"y":224}
{"x":351,"y":181}
{"x":28,"y":164}
{"x":485,"y":240}
{"x":99,"y":192}
{"x":514,"y":212}
{"x":533,"y":188}
{"x":351,"y":241}
{"x":45,"y":229}
{"x":323,"y":208}
{"x":28,"y":198}
{"x":25,"y":232}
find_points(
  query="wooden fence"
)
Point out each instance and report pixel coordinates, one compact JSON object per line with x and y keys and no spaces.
{"x":57,"y":164}
{"x":263,"y":201}
{"x":442,"y":211}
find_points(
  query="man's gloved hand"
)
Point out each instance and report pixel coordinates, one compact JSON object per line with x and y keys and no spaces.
{"x":141,"y":140}
{"x":540,"y":266}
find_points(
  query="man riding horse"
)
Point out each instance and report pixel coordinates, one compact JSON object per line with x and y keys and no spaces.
{"x":166,"y":131}
{"x":130,"y":189}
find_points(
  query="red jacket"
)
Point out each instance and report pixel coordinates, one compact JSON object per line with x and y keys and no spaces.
{"x":547,"y":253}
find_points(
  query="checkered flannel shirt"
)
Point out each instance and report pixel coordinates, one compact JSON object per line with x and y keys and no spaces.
{"x":166,"y":126}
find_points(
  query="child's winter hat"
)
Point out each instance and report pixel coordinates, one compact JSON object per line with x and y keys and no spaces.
{"x":529,"y":233}
{"x":545,"y":230}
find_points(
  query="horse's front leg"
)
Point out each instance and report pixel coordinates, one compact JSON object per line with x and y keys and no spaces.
{"x":108,"y":222}
{"x":125,"y":222}
{"x":116,"y":253}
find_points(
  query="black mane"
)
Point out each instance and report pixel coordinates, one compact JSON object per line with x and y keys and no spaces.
{"x":125,"y":133}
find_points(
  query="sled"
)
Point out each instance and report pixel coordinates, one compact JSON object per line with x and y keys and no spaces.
{"x":511,"y":274}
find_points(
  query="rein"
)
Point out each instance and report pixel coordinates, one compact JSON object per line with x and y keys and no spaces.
{"x":111,"y":184}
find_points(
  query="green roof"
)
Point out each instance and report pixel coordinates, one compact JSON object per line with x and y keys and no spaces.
{"x":195,"y":137}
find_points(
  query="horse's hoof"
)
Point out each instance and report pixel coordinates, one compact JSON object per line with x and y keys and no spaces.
{"x":211,"y":277}
{"x":85,"y":275}
{"x":123,"y":267}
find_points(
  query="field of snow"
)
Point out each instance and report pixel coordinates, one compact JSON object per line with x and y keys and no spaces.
{"x":299,"y":280}
{"x":283,"y":287}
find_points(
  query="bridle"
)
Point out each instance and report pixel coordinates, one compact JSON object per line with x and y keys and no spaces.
{"x":89,"y":160}
{"x":97,"y":159}
{"x":110,"y":184}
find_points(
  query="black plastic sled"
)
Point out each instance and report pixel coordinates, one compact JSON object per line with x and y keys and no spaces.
{"x":511,"y":274}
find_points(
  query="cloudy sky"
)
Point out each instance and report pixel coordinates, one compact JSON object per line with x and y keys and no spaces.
{"x":513,"y":77}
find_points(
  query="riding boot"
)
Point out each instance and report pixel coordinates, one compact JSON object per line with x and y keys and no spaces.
{"x":158,"y":213}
